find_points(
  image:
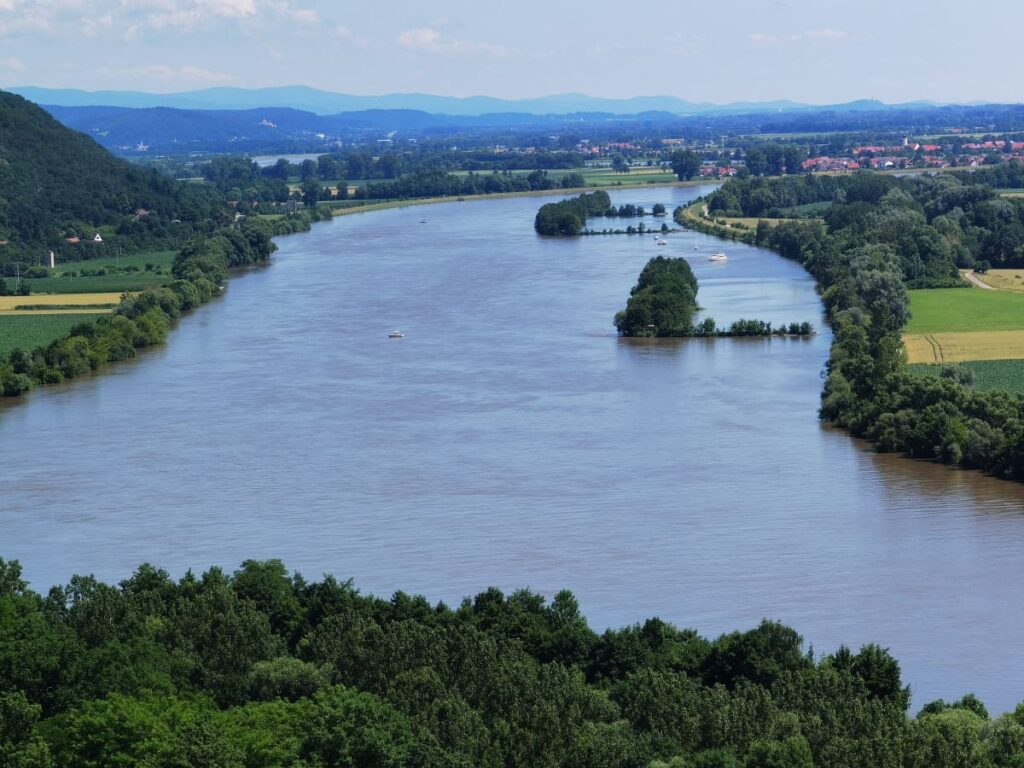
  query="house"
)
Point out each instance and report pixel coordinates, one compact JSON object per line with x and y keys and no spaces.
{"x":73,"y":240}
{"x":96,"y":238}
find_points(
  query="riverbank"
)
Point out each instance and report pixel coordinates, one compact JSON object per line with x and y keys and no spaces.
{"x":384,"y":205}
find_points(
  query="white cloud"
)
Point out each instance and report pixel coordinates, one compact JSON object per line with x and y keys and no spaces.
{"x":814,"y":35}
{"x":825,"y":34}
{"x":231,"y":9}
{"x":96,"y":25}
{"x":12,"y":64}
{"x":428,"y":40}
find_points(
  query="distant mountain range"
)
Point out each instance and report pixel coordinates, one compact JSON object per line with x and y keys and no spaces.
{"x":327,"y":103}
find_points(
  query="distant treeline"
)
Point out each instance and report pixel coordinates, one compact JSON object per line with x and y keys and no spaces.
{"x":664,"y":299}
{"x":143,"y":319}
{"x":262,"y":668}
{"x":440,"y":184}
{"x":879,"y":235}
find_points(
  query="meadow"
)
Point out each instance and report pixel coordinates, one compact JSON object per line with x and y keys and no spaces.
{"x":28,"y":331}
{"x":957,"y":310}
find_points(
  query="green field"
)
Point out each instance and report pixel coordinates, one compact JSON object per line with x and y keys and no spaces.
{"x":965,"y":309}
{"x":30,"y":331}
{"x":139,"y":260}
{"x":118,"y":281}
{"x":988,"y":374}
{"x":129,"y":281}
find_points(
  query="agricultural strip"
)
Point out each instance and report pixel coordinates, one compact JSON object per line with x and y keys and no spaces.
{"x":29,"y":331}
{"x":960,"y":347}
{"x":75,"y":302}
{"x":958,"y":310}
{"x":1007,"y":375}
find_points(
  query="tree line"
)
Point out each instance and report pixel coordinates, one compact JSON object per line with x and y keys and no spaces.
{"x":880,"y":235}
{"x":140,"y":320}
{"x":262,"y":668}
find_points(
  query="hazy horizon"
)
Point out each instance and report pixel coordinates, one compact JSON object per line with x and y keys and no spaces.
{"x":811,"y":51}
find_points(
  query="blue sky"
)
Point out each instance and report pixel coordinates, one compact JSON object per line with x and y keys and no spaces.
{"x":819,"y":51}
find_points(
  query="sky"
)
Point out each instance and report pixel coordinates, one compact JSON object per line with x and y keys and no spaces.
{"x":818,"y":51}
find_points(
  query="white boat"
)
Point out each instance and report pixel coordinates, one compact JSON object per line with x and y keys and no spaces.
{"x":696,"y":247}
{"x":396,"y":335}
{"x":718,"y":256}
{"x":661,"y":241}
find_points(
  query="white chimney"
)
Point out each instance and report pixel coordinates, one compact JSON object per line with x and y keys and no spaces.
{"x":52,"y":260}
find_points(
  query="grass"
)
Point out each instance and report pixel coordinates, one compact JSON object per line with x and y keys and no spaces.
{"x":961,"y":347}
{"x":1007,"y":375}
{"x":130,"y":281}
{"x":1004,"y":279}
{"x":60,"y":302}
{"x":138,"y":260}
{"x":30,"y":331}
{"x":959,"y":310}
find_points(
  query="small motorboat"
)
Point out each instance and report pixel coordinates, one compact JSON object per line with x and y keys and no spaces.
{"x":718,"y":256}
{"x":696,"y":247}
{"x":661,"y":241}
{"x":396,"y":335}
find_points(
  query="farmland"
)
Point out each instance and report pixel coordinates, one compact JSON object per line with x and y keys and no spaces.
{"x":50,"y":304}
{"x":123,"y":273}
{"x":1004,"y":279}
{"x":120,"y":283}
{"x":963,"y":346}
{"x":957,"y":310}
{"x":1007,"y":375}
{"x":28,"y":331}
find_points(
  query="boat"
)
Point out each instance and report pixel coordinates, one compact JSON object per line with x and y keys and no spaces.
{"x":718,"y":256}
{"x":696,"y":247}
{"x":661,"y":241}
{"x":396,"y":335}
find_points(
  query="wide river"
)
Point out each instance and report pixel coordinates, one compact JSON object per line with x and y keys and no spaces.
{"x":512,"y":439}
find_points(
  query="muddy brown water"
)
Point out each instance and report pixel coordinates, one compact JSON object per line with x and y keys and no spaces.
{"x":512,"y":439}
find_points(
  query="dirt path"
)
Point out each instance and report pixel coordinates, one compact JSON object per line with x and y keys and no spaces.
{"x":972,"y":278}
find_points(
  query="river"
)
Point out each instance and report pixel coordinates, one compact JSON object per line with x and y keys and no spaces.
{"x":511,"y":439}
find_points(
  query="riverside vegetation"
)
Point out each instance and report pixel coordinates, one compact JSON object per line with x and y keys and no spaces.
{"x":664,"y":299}
{"x":262,"y":668}
{"x":878,"y":235}
{"x":143,"y":319}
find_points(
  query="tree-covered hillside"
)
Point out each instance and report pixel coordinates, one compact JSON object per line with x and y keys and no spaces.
{"x":57,"y":184}
{"x":262,"y":668}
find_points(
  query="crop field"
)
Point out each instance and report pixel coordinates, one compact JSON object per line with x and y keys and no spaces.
{"x":130,"y":281}
{"x":1004,"y":279}
{"x":74,"y":302}
{"x":137,"y":260}
{"x":961,"y":347}
{"x":958,"y":310}
{"x":30,"y":331}
{"x":988,"y":374}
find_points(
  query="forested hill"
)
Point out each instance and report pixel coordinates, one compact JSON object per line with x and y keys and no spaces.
{"x":56,"y":183}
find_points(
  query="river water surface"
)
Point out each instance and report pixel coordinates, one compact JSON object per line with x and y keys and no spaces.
{"x":511,"y":439}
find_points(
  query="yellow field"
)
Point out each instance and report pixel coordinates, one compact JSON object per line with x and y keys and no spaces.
{"x":961,"y":347}
{"x":62,"y":303}
{"x":1004,"y":279}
